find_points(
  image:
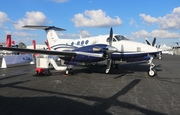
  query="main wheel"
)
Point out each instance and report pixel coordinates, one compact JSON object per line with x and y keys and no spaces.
{"x":152,"y":72}
{"x":67,"y":72}
{"x":160,"y":55}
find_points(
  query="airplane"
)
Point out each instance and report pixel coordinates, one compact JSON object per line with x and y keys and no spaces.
{"x":112,"y":47}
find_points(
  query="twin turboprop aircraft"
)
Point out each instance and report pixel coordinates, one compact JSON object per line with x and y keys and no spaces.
{"x":112,"y":47}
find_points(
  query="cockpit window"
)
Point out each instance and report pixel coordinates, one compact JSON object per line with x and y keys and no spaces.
{"x":120,"y":37}
{"x":114,"y":40}
{"x":117,"y":38}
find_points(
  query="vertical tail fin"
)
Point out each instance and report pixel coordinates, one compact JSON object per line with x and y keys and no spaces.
{"x":8,"y":41}
{"x":51,"y":35}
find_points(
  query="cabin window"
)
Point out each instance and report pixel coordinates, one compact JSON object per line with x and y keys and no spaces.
{"x":87,"y":41}
{"x":82,"y":42}
{"x":72,"y":43}
{"x":78,"y":43}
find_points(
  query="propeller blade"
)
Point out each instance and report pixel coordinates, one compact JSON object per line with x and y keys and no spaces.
{"x":108,"y":65}
{"x":154,"y":42}
{"x":147,"y":41}
{"x":110,"y":37}
{"x":109,"y":50}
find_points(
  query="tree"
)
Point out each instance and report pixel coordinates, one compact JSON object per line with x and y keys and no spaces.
{"x":22,"y":45}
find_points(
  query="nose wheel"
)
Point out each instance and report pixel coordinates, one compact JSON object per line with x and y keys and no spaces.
{"x":152,"y":72}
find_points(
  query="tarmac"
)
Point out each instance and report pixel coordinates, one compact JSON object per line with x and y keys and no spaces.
{"x":89,"y":91}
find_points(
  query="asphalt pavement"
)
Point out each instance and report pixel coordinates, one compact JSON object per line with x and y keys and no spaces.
{"x":89,"y":91}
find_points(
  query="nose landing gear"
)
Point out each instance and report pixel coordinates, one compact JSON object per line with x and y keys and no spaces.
{"x":152,"y":72}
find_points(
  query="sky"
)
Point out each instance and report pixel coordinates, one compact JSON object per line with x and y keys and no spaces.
{"x":135,"y":19}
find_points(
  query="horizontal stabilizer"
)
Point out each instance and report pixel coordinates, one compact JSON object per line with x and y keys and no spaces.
{"x":44,"y":27}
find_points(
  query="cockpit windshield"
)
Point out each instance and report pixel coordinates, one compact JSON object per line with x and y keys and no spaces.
{"x":120,"y":37}
{"x":117,"y":38}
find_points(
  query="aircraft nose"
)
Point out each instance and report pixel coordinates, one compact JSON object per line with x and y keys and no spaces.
{"x":111,"y":49}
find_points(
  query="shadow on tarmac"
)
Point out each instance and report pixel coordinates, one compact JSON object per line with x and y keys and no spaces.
{"x":61,"y":103}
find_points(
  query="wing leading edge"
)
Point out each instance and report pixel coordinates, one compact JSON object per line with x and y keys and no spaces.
{"x":48,"y":52}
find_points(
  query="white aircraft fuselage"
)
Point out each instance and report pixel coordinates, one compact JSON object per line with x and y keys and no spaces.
{"x":120,"y":42}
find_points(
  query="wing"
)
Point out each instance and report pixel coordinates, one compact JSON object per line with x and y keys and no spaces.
{"x":48,"y":52}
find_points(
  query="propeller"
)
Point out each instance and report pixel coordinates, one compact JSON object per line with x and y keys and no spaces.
{"x":109,"y":60}
{"x":107,"y":51}
{"x":110,"y":37}
{"x":154,"y":42}
{"x":147,"y":41}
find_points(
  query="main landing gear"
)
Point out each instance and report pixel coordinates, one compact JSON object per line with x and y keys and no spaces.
{"x":69,"y":70}
{"x":152,"y":72}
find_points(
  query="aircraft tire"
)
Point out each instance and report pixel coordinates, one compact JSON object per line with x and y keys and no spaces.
{"x":152,"y":72}
{"x":67,"y":72}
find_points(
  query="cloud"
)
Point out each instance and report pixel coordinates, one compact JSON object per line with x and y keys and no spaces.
{"x":3,"y":18}
{"x":169,"y":21}
{"x":85,"y":33}
{"x":133,"y":22}
{"x":1,"y":26}
{"x":148,"y":19}
{"x":95,"y":18}
{"x":25,"y":40}
{"x":90,"y":1}
{"x":156,"y":33}
{"x":31,"y":18}
{"x":141,"y":34}
{"x":23,"y":34}
{"x":60,"y":1}
{"x":67,"y":36}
